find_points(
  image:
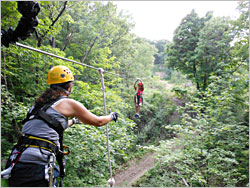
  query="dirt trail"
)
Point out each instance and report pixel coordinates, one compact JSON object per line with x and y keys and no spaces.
{"x":134,"y":171}
{"x":169,"y":86}
{"x":137,"y":168}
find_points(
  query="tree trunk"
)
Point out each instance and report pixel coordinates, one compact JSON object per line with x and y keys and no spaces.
{"x":52,"y":42}
{"x":16,"y":128}
{"x":204,"y":82}
{"x":195,"y":75}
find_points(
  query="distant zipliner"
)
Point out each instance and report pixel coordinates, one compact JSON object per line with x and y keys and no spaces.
{"x":138,"y":99}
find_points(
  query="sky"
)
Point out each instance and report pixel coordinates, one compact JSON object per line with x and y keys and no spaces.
{"x":157,"y":20}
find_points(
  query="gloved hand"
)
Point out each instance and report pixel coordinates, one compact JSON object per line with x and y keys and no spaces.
{"x":114,"y":116}
{"x":76,"y":120}
{"x":138,"y":79}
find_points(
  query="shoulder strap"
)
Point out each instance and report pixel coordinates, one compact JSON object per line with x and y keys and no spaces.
{"x":51,"y":121}
{"x":41,"y":114}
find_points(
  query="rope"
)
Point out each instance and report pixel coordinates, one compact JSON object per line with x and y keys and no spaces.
{"x":63,"y":58}
{"x":105,"y":109}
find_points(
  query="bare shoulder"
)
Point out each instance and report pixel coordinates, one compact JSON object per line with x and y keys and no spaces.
{"x":72,"y":103}
{"x":68,"y":107}
{"x":69,"y":100}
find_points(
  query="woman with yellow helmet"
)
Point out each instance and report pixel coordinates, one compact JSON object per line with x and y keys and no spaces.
{"x":33,"y":159}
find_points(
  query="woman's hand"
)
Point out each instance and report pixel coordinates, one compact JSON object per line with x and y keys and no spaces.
{"x":114,"y":116}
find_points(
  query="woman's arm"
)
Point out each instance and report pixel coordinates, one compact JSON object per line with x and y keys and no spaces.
{"x":137,"y":79}
{"x":142,"y":85}
{"x":135,"y":85}
{"x":70,"y":107}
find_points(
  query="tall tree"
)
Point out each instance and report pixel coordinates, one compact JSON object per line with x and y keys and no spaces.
{"x":160,"y":56}
{"x":212,"y":49}
{"x":181,"y":53}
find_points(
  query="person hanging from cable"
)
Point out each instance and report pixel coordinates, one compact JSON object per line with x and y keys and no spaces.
{"x":138,"y":99}
{"x":32,"y":161}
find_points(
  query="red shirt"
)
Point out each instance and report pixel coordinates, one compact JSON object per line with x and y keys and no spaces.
{"x":139,"y":91}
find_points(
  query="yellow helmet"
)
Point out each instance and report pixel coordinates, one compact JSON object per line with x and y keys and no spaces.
{"x":59,"y":74}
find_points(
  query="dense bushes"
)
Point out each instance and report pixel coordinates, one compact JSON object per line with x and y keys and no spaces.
{"x":212,"y":146}
{"x":212,"y":143}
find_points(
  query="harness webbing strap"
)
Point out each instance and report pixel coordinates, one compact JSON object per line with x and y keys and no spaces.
{"x":51,"y":121}
{"x":41,"y":114}
{"x":32,"y":141}
{"x":38,"y":138}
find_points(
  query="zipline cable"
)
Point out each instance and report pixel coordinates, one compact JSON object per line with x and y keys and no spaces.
{"x":63,"y":58}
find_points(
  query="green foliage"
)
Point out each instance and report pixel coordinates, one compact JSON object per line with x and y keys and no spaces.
{"x":141,"y":61}
{"x":200,"y":47}
{"x":4,"y":183}
{"x":9,"y":15}
{"x":181,"y":53}
{"x":180,"y":92}
{"x":204,"y":140}
{"x":160,"y":56}
{"x":157,"y":111}
{"x":211,"y":147}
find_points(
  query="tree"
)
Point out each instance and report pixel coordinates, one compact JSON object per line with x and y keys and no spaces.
{"x":181,"y":53}
{"x":141,"y":62}
{"x":160,"y":56}
{"x":9,"y":14}
{"x":50,"y":21}
{"x":212,"y":50}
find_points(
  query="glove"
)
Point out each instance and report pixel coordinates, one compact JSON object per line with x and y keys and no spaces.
{"x":114,"y":116}
{"x":76,"y":120}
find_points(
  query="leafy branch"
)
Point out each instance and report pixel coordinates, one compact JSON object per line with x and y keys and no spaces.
{"x":52,"y":24}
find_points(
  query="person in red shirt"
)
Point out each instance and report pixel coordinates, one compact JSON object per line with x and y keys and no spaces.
{"x":138,"y":99}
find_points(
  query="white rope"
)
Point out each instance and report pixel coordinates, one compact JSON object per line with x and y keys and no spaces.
{"x":107,"y":130}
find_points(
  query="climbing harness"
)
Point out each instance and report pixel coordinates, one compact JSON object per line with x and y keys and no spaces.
{"x":26,"y":141}
{"x":56,"y":125}
{"x":138,"y":99}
